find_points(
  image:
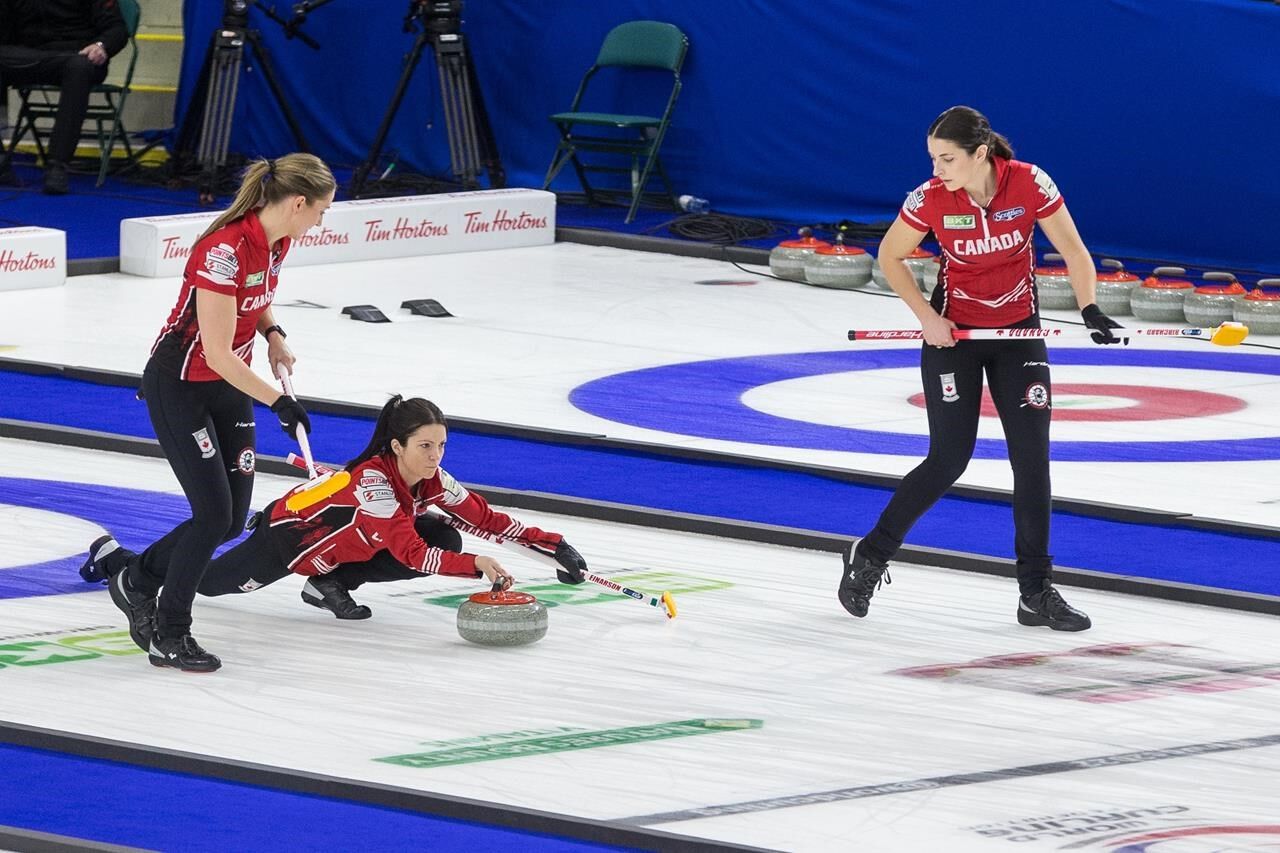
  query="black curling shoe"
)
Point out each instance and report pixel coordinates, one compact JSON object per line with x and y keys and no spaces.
{"x":182,"y":653}
{"x":106,"y":559}
{"x":138,"y":607}
{"x":1048,"y":608}
{"x":862,"y":577}
{"x":329,"y":594}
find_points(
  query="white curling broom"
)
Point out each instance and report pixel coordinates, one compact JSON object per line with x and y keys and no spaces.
{"x":1226,"y":335}
{"x":320,"y":485}
{"x":663,"y":602}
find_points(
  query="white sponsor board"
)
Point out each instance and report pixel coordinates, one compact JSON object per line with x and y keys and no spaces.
{"x":365,"y":229}
{"x":32,"y":257}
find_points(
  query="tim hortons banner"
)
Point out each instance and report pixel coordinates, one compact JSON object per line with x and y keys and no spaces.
{"x":32,"y":257}
{"x":365,"y":229}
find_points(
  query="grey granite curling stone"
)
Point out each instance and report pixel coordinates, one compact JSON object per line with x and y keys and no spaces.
{"x":498,"y":618}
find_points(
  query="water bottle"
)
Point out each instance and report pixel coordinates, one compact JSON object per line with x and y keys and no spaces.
{"x":693,"y":204}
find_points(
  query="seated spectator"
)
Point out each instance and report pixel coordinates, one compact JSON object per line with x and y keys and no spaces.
{"x":66,"y":43}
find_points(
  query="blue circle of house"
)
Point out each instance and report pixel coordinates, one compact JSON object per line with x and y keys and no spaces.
{"x":704,"y":399}
{"x":136,"y":517}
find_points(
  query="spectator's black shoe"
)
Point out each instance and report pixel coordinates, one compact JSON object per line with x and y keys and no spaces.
{"x":1047,"y":607}
{"x":138,"y":607}
{"x":862,"y":577}
{"x":106,"y":560}
{"x":55,"y":178}
{"x":331,"y":595}
{"x":182,"y":653}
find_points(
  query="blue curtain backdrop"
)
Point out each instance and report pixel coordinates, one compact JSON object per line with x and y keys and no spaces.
{"x":1158,"y":119}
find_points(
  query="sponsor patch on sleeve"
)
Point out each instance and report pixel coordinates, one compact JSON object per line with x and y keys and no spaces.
{"x":375,"y":496}
{"x":220,"y":265}
{"x":1048,"y":188}
{"x":454,"y":492}
{"x":915,"y":199}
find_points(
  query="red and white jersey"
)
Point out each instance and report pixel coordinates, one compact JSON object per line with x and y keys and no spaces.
{"x":234,"y":260}
{"x":986,"y":276}
{"x":376,"y":512}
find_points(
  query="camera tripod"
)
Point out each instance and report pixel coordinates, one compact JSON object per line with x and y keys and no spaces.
{"x":472,"y":147}
{"x":216,"y":90}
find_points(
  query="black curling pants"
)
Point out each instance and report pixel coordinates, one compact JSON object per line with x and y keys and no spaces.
{"x":206,"y":430}
{"x":256,"y":562}
{"x":1017,"y":373}
{"x":383,"y":567}
{"x":74,"y":74}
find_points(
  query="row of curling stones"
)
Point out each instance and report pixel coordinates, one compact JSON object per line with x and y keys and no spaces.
{"x":1115,"y":287}
{"x":1166,"y":296}
{"x":840,"y":266}
{"x":502,"y":618}
{"x":923,"y":265}
{"x":1259,"y":309}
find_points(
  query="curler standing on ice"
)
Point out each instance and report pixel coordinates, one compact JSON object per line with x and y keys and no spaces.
{"x":199,"y":391}
{"x":982,"y":206}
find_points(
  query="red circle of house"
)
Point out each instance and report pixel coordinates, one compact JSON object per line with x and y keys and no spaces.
{"x":1148,"y":403}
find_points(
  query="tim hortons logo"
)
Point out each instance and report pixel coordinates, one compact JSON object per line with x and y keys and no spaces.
{"x":324,"y":237}
{"x":174,"y":247}
{"x":9,"y":262}
{"x":502,"y":221}
{"x":403,"y":229}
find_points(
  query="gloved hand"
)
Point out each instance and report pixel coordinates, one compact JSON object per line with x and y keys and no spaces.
{"x":1101,"y":325}
{"x":572,"y":564}
{"x":291,"y":414}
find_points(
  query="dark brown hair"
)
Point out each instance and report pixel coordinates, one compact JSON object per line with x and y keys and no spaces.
{"x":969,"y":129}
{"x":399,"y":419}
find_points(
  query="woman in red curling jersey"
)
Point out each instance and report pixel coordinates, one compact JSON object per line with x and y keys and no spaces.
{"x":982,"y":206}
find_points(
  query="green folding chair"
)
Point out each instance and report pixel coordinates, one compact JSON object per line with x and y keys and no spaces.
{"x":633,"y":45}
{"x":106,"y":104}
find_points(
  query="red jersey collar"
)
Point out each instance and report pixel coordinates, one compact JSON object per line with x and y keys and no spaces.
{"x":1002,"y":178}
{"x":1002,"y":172}
{"x":393,"y":474}
{"x":253,"y":232}
{"x":256,"y":235}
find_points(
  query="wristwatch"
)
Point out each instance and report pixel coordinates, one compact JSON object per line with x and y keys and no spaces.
{"x":266,"y":333}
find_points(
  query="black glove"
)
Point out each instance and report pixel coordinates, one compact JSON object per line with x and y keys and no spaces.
{"x":1101,"y":325}
{"x":291,"y":414}
{"x":573,"y":564}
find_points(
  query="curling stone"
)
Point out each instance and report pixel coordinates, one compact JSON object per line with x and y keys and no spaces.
{"x":1260,"y":309}
{"x":1115,"y":289}
{"x":1054,"y":285}
{"x":502,"y":618}
{"x":1211,"y":305}
{"x":1161,"y":296}
{"x":840,"y":266}
{"x":788,"y":257}
{"x":925,"y":266}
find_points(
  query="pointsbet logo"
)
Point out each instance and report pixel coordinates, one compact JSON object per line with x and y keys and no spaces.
{"x":64,"y":647}
{"x":555,"y":593}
